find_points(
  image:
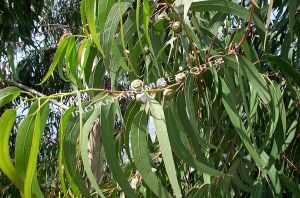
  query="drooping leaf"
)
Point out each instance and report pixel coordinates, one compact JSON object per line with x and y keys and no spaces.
{"x":230,"y":106}
{"x":8,"y":94}
{"x":164,"y":143}
{"x":27,"y":145}
{"x":292,"y":186}
{"x":180,"y":147}
{"x":63,"y":121}
{"x":141,"y":156}
{"x":244,"y":67}
{"x":60,"y":52}
{"x":84,"y":138}
{"x":90,"y":11}
{"x":108,"y":113}
{"x":286,"y":68}
{"x":7,"y":121}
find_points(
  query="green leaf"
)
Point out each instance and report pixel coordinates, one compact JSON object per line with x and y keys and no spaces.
{"x":84,"y":138}
{"x":230,"y":107}
{"x":63,"y":121}
{"x":60,"y":52}
{"x":8,"y":94}
{"x":146,"y":16}
{"x":292,"y":5}
{"x":32,"y":161}
{"x":244,"y":67}
{"x":118,"y":56}
{"x":104,"y":7}
{"x":70,"y":138}
{"x":27,"y":145}
{"x":112,"y":23}
{"x":108,"y":113}
{"x":141,"y":155}
{"x":164,"y":143}
{"x":292,"y":186}
{"x":275,"y":112}
{"x":180,"y":147}
{"x":90,"y":7}
{"x":193,"y":132}
{"x":132,"y":109}
{"x":7,"y":121}
{"x":286,"y":68}
{"x":71,"y":63}
{"x":226,"y":7}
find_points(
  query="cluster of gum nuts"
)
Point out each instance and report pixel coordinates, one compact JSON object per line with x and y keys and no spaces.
{"x":138,"y":87}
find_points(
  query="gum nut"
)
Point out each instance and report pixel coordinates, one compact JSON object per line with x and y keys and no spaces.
{"x":168,"y":94}
{"x":137,"y":85}
{"x":180,"y":77}
{"x":146,"y":50}
{"x":127,"y":52}
{"x":141,"y":98}
{"x":176,"y":26}
{"x":161,"y":82}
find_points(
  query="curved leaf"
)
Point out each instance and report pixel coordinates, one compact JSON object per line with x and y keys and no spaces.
{"x":141,"y":155}
{"x":60,"y":52}
{"x":108,"y":113}
{"x":230,"y":106}
{"x":8,"y":94}
{"x":7,"y":121}
{"x":164,"y":143}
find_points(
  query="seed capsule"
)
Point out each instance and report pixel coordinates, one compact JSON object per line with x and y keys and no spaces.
{"x":127,"y":52}
{"x":161,"y":83}
{"x":180,"y":77}
{"x":146,"y":50}
{"x":176,"y":26}
{"x":137,"y":85}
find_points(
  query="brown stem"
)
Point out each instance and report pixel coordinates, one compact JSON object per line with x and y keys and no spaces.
{"x":34,"y":92}
{"x":247,"y":29}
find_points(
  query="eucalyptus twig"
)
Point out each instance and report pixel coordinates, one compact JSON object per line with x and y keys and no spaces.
{"x":247,"y":29}
{"x":34,"y":92}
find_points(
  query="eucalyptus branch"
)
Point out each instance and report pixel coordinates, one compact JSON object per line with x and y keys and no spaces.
{"x":247,"y":29}
{"x":34,"y":92}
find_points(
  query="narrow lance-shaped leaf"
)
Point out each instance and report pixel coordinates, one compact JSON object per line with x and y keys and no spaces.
{"x":227,"y":7}
{"x":180,"y":147}
{"x":90,"y":17}
{"x":24,"y":141}
{"x":7,"y":121}
{"x":164,"y":143}
{"x":141,"y":155}
{"x":70,"y":157}
{"x":244,"y":67}
{"x":60,"y":52}
{"x":107,"y":127}
{"x":8,"y":94}
{"x":32,"y":161}
{"x":84,"y":138}
{"x":286,"y":68}
{"x":63,"y":121}
{"x":230,"y":107}
{"x":130,"y":113}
